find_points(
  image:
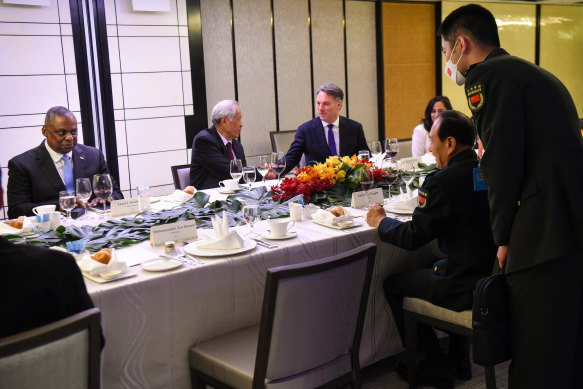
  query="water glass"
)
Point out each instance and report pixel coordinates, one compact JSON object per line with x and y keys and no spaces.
{"x":84,"y":190}
{"x":375,"y":149}
{"x":366,"y":180}
{"x":67,"y":202}
{"x":263,"y":166}
{"x":143,"y":197}
{"x":249,"y":175}
{"x":251,"y":215}
{"x":363,"y":154}
{"x":236,"y":169}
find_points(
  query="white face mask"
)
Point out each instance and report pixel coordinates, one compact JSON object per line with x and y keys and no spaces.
{"x":451,"y":69}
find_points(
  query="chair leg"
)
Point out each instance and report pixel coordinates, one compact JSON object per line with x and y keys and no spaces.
{"x":411,"y":346}
{"x":490,"y":377}
{"x":196,"y":381}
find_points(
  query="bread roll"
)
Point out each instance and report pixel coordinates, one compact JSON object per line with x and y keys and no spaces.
{"x":336,"y":211}
{"x":16,"y":223}
{"x":103,"y":256}
{"x":189,"y":190}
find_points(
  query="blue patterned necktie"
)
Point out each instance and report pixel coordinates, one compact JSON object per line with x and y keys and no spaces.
{"x":68,"y":174}
{"x":331,"y":140}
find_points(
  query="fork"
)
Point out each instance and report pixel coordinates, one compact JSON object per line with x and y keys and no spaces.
{"x":264,"y":243}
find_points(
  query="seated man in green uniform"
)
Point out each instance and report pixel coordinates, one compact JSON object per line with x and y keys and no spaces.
{"x":453,"y":208}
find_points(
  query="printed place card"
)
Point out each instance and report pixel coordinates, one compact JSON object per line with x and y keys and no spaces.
{"x":185,"y":230}
{"x":375,"y":196}
{"x":125,"y":207}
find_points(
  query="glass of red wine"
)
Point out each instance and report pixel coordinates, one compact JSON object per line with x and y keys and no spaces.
{"x":277,"y":163}
{"x":102,"y":188}
{"x":366,"y":181}
{"x":389,"y":176}
{"x":391,"y":148}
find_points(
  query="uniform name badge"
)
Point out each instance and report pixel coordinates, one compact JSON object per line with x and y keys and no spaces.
{"x":479,"y":183}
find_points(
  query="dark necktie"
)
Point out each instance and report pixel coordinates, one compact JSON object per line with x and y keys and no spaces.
{"x":230,"y":151}
{"x":331,"y":140}
{"x":68,"y":174}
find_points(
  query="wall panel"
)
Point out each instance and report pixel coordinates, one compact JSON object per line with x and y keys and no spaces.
{"x":254,"y":53}
{"x":361,"y":63}
{"x":292,"y":47}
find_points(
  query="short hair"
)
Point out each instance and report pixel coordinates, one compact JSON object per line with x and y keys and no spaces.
{"x":457,"y":125}
{"x":57,"y":111}
{"x":332,"y":90}
{"x":472,"y":20}
{"x":224,"y":108}
{"x":427,"y":122}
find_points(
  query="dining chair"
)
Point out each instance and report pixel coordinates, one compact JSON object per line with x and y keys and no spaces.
{"x":416,"y":310}
{"x":309,"y":333}
{"x":62,"y":354}
{"x":282,"y":140}
{"x":180,"y":176}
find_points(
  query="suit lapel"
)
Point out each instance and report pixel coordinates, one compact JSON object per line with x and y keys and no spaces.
{"x":343,"y":133}
{"x":79,"y":163}
{"x":320,"y":137}
{"x":46,"y":167}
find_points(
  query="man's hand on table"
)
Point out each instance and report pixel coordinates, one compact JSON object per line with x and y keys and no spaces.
{"x":375,"y":214}
{"x":97,"y":201}
{"x":502,"y":255}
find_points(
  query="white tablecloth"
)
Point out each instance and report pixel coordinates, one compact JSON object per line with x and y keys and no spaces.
{"x":152,"y":320}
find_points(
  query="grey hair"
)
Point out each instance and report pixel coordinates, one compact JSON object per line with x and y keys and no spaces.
{"x":224,"y":108}
{"x":332,"y":90}
{"x":57,"y":111}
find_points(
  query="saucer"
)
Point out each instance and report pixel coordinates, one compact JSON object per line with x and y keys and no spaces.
{"x":289,"y":235}
{"x":227,"y":191}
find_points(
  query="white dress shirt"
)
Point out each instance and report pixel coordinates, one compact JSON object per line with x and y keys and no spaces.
{"x":58,"y":160}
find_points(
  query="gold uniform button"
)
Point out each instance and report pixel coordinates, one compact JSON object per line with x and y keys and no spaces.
{"x":519,"y":203}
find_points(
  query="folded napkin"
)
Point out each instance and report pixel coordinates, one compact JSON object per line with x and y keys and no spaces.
{"x":428,"y":159}
{"x":405,"y":201}
{"x":223,"y":239}
{"x":178,"y":197}
{"x":27,"y":226}
{"x":323,"y":216}
{"x":92,"y":267}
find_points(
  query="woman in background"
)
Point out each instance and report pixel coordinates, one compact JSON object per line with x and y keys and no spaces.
{"x":420,"y":141}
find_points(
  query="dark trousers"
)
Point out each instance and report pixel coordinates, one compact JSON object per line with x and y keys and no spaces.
{"x":546,"y":324}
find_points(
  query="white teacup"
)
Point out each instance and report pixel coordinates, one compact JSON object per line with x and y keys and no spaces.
{"x":309,"y":210}
{"x":229,"y":184}
{"x":42,"y":209}
{"x":296,"y":210}
{"x":278,"y":228}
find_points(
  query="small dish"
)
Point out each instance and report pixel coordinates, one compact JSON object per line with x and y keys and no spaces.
{"x":161,"y":264}
{"x":193,"y":249}
{"x":227,"y":191}
{"x":289,"y":235}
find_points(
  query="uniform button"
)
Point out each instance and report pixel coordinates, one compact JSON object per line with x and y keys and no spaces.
{"x":519,"y":203}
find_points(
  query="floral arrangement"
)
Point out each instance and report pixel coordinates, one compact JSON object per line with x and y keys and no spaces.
{"x":330,"y":180}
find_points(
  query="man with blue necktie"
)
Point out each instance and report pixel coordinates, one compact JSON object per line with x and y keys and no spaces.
{"x":36,"y":176}
{"x":328,"y":134}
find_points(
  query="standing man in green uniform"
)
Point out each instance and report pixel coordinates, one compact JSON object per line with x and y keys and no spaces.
{"x":533,"y":167}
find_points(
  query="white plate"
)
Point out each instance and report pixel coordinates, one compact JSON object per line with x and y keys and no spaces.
{"x":399,"y":211}
{"x":337,"y":227}
{"x":289,"y":235}
{"x":100,"y":280}
{"x":161,"y":264}
{"x":227,"y":191}
{"x":193,"y":249}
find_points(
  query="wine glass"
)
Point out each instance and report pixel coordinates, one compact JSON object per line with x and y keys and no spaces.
{"x":67,"y":202}
{"x":249,"y":175}
{"x":363,"y":154}
{"x":250,"y":215}
{"x":375,"y":149}
{"x":102,"y":187}
{"x":263,"y":166}
{"x":407,"y":169}
{"x":83,"y":186}
{"x":236,"y":169}
{"x":366,"y":180}
{"x":277,"y":163}
{"x":391,"y":148}
{"x":389,"y":176}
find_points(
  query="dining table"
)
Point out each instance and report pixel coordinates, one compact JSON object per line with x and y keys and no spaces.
{"x":152,"y":319}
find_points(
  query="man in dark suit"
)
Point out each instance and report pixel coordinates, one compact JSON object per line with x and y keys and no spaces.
{"x":533,"y":167}
{"x":38,"y":286}
{"x":456,"y":213}
{"x":214,"y":148}
{"x":328,"y":134}
{"x":36,"y":176}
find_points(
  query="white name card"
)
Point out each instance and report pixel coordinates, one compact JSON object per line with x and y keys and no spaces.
{"x":185,"y":230}
{"x":375,"y":196}
{"x":125,"y":207}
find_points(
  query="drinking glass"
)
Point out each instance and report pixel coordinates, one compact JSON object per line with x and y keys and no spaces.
{"x":366,"y":180}
{"x":389,"y":176}
{"x":278,"y":163}
{"x":236,"y":169}
{"x":391,"y":148}
{"x":376,"y":149}
{"x":407,"y":170}
{"x":250,"y":215}
{"x":83,"y":186}
{"x":102,"y":188}
{"x":263,"y":166}
{"x":67,"y":202}
{"x":249,"y":175}
{"x":363,"y":154}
